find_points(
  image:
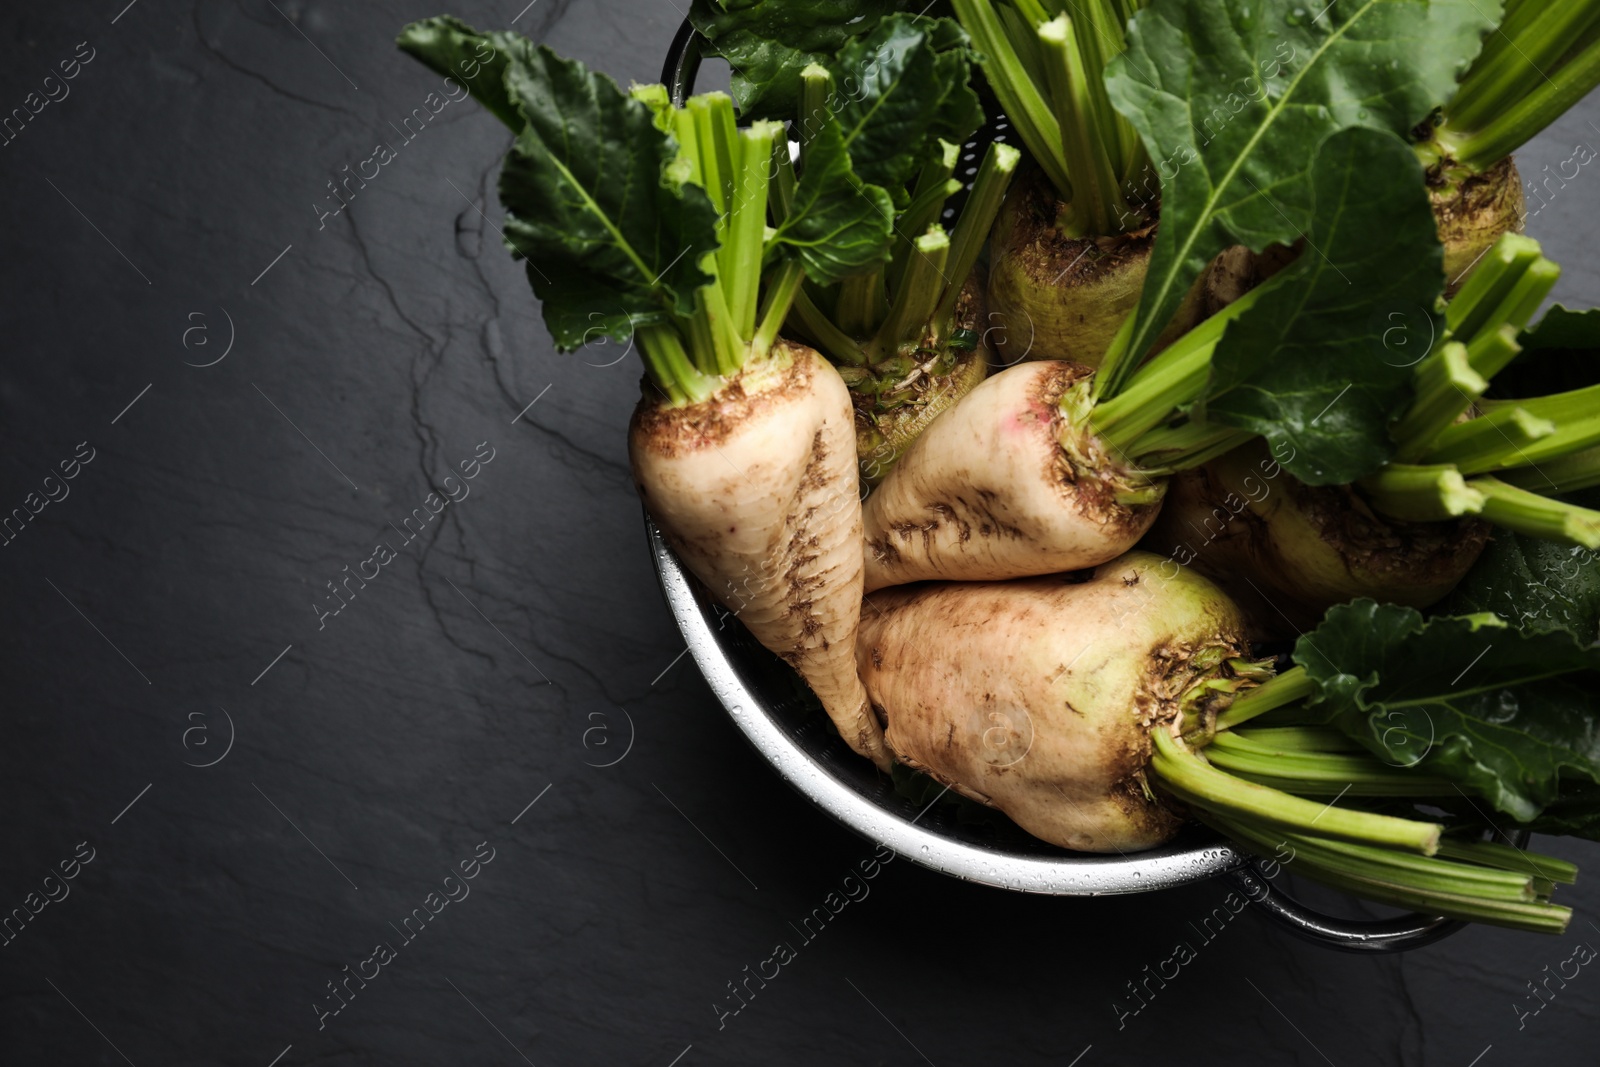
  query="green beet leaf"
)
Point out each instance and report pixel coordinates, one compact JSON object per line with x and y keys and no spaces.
{"x":837,"y":225}
{"x":1559,"y":352}
{"x":1534,"y":585}
{"x":767,"y":43}
{"x":1232,"y":98}
{"x":1316,"y":366}
{"x":898,"y":91}
{"x":1575,"y":814}
{"x":1505,"y":714}
{"x":613,"y":240}
{"x":1564,"y":330}
{"x":476,"y":60}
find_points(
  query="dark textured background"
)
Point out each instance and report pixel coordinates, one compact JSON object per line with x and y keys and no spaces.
{"x":490,"y":661}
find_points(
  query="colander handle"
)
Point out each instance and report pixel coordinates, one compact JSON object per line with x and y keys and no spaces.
{"x":1399,"y":934}
{"x":683,"y":62}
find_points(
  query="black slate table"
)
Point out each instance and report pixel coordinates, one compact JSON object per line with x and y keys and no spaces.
{"x":487,"y":755}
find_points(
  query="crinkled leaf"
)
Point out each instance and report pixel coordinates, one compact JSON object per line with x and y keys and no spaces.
{"x":1575,"y":814}
{"x":1232,"y":98}
{"x":476,"y":60}
{"x":1315,"y":367}
{"x":613,"y":241}
{"x":769,"y":42}
{"x":898,"y":91}
{"x":1533,"y":584}
{"x":837,"y":226}
{"x":1563,"y":329}
{"x":613,"y":238}
{"x":1504,"y":714}
{"x":1559,"y":352}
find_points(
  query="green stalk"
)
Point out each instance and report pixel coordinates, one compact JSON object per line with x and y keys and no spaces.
{"x":1524,"y":440}
{"x":1024,"y":105}
{"x":837,"y":345}
{"x":734,"y":167}
{"x":972,"y":229}
{"x":1097,"y":201}
{"x":1398,"y":887}
{"x":935,"y":184}
{"x":861,"y":304}
{"x":1195,"y":782}
{"x":1167,"y":450}
{"x":1171,"y":380}
{"x":1515,"y":311}
{"x":1495,"y":440}
{"x":698,"y":334}
{"x":1495,"y":84}
{"x":917,"y":296}
{"x":1537,"y":516}
{"x":688,"y":144}
{"x":1576,"y":436}
{"x":658,"y":365}
{"x":1561,"y":408}
{"x":1492,"y":351}
{"x":1170,"y":368}
{"x":1270,"y":739}
{"x":1420,"y":872}
{"x":1486,"y":287}
{"x":1421,"y":494}
{"x":717,"y":135}
{"x":1519,"y":15}
{"x":1103,"y":41}
{"x":727,"y":346}
{"x":1564,"y":474}
{"x":1176,"y":378}
{"x":746,"y":229}
{"x":782,"y":289}
{"x":1290,"y":687}
{"x":1119,"y":361}
{"x":669,"y":365}
{"x":1322,"y":774}
{"x":784,"y":179}
{"x":816,"y":89}
{"x":1544,"y":102}
{"x":1510,"y":858}
{"x":1447,"y":386}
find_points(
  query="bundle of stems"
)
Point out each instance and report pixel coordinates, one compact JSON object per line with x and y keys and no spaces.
{"x":1278,"y":789}
{"x":690,"y":356}
{"x":1507,"y":466}
{"x":1071,"y":249}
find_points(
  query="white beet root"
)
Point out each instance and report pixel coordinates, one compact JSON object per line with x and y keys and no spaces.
{"x":987,"y":491}
{"x":1038,"y":697}
{"x":755,"y":489}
